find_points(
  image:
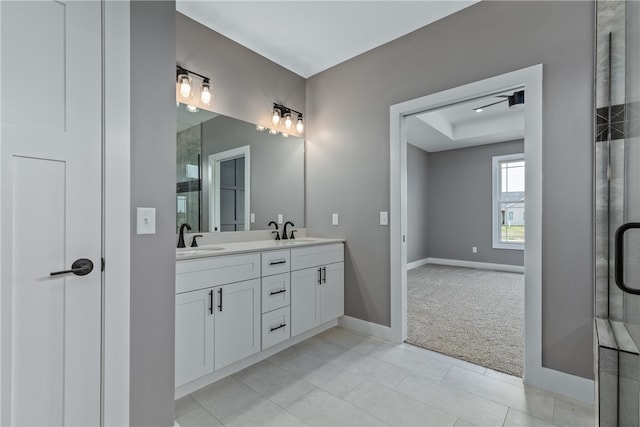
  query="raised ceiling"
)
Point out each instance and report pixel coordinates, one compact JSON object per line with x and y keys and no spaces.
{"x":460,"y":126}
{"x":307,"y":37}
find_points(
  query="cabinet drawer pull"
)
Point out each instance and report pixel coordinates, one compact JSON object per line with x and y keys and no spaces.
{"x":324,"y":274}
{"x":278,"y":292}
{"x":211,"y":301}
{"x":282,"y":261}
{"x":275,"y":328}
{"x":319,"y":276}
{"x":220,"y":304}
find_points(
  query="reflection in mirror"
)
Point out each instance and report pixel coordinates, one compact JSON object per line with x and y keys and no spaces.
{"x":232,"y":177}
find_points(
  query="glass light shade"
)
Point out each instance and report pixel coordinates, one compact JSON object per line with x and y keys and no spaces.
{"x":276,"y":116}
{"x":287,"y":121}
{"x":205,"y":94}
{"x":192,"y":108}
{"x":285,"y":135}
{"x":260,"y":128}
{"x":185,"y":86}
{"x":273,"y":131}
{"x":300,"y":125}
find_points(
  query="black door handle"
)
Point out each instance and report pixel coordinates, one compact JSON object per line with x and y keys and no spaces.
{"x":80,"y":267}
{"x":619,"y":257}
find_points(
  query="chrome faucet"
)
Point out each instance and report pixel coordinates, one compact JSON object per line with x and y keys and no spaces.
{"x":181,"y":234}
{"x":276,"y":230}
{"x":284,"y":230}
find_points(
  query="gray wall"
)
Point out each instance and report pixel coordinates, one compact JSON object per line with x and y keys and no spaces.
{"x":277,"y":169}
{"x":153,"y":162}
{"x":348,"y":160}
{"x":244,"y":85}
{"x":460,"y":202}
{"x":417,"y":203}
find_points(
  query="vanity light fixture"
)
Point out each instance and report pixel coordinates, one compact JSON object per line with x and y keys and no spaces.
{"x":260,"y":128}
{"x":192,"y":108}
{"x":280,"y":110}
{"x":273,"y":131}
{"x":184,"y":80}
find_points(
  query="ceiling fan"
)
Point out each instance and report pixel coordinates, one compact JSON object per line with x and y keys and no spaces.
{"x":515,"y":100}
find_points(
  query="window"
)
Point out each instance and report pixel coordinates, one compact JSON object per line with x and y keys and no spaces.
{"x":508,"y":201}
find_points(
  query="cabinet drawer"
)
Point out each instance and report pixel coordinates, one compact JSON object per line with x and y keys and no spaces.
{"x":312,"y":256}
{"x":275,"y":327}
{"x":275,"y":262}
{"x":276,"y":292}
{"x":215,"y":271}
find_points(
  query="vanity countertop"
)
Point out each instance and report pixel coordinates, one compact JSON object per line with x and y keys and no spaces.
{"x":212,"y":250}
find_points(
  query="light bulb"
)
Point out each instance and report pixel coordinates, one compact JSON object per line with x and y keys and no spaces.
{"x":185,"y":86}
{"x":205,"y":92}
{"x":273,"y":131}
{"x":300,"y":125}
{"x":192,"y":108}
{"x":276,"y":116}
{"x":287,"y":120}
{"x":260,"y":128}
{"x":285,"y":135}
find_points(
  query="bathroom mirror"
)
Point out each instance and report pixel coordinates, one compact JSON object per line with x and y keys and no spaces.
{"x":232,"y":177}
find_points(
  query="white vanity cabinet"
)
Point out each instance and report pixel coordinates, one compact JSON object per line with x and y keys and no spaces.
{"x":194,"y":335}
{"x":237,"y":322}
{"x":317,"y":286}
{"x":233,"y":310}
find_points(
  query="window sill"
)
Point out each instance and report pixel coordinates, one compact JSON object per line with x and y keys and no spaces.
{"x":515,"y":247}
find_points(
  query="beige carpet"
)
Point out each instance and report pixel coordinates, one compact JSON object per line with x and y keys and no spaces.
{"x":473,"y":315}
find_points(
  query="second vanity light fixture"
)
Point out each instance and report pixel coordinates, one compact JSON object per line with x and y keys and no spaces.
{"x":184,"y":80}
{"x":281,"y":112}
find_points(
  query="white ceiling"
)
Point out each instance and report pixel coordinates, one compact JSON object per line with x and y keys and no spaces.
{"x":459,"y":126}
{"x":307,"y":37}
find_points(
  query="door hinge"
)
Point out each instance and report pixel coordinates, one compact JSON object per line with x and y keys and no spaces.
{"x":101,"y":264}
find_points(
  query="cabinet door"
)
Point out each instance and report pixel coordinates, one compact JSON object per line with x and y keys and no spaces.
{"x":332,"y":292}
{"x":305,"y":301}
{"x":194,"y":335}
{"x":237,"y":321}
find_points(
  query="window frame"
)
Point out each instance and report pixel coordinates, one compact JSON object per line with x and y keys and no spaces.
{"x":495,"y":202}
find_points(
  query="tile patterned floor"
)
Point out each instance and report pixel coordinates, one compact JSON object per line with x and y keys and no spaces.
{"x":340,"y":378}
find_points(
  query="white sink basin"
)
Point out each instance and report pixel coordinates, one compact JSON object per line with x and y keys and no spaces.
{"x":184,"y":252}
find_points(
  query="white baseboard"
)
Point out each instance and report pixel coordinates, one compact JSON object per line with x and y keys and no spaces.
{"x":418,"y":263}
{"x":367,"y":328}
{"x":474,"y":264}
{"x":561,"y":383}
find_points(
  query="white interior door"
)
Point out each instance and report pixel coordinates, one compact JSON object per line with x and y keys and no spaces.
{"x":50,"y":211}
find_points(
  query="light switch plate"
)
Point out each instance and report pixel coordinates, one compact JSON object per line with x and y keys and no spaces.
{"x":146,"y":221}
{"x":334,"y":219}
{"x":280,"y":219}
{"x":474,"y":249}
{"x":253,"y":218}
{"x":384,"y":218}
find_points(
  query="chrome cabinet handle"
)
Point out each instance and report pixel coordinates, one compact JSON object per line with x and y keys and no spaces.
{"x":80,"y":267}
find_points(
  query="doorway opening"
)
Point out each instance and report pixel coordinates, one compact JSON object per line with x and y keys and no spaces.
{"x":530,"y":79}
{"x":465,"y":231}
{"x":230,"y":189}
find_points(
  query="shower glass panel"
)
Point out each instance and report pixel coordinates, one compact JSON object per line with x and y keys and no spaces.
{"x":617,"y":212}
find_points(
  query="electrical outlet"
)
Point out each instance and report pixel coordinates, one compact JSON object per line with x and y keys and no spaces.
{"x":280,"y":219}
{"x":334,"y":219}
{"x":253,"y":218}
{"x":474,"y":249}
